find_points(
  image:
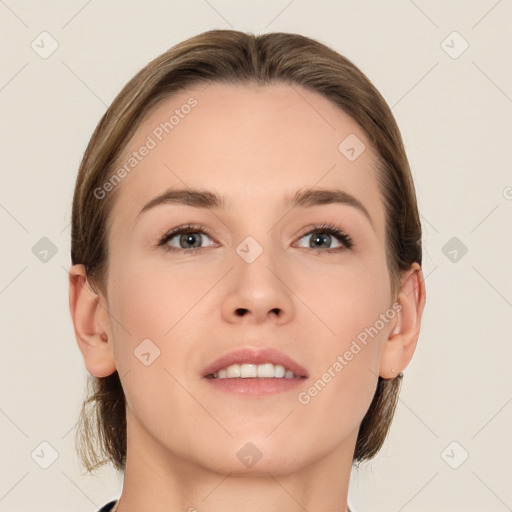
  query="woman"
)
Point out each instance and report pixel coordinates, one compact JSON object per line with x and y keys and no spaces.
{"x":246,"y":283}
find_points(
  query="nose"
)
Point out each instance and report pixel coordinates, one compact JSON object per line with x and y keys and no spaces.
{"x":258,"y":291}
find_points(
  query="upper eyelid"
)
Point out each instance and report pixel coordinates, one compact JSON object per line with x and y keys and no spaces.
{"x":197,"y":229}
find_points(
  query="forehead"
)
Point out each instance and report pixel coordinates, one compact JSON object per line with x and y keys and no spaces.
{"x":252,"y":144}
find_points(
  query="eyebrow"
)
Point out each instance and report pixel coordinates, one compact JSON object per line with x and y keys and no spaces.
{"x":301,"y":199}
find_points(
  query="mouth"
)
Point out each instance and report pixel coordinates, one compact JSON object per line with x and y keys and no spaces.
{"x":255,"y":372}
{"x":250,"y":362}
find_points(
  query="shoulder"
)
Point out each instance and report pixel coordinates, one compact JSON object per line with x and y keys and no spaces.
{"x":108,"y":507}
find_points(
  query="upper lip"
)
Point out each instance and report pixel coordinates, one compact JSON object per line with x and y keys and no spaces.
{"x":249,"y":355}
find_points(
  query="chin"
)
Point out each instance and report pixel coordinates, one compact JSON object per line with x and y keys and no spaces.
{"x":255,"y":456}
{"x":274,"y":464}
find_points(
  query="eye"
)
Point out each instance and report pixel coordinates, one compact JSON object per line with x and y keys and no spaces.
{"x":322,"y":236}
{"x":190,"y":238}
{"x":187,"y":238}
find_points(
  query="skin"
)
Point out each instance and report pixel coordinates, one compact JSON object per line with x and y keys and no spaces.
{"x":254,"y":145}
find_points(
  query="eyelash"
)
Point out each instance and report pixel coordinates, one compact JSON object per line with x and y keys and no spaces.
{"x":327,"y":228}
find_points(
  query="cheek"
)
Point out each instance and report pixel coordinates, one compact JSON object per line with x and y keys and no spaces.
{"x":346,"y":297}
{"x":149,"y":308}
{"x":354,"y":307}
{"x":160,"y":303}
{"x":151,"y":299}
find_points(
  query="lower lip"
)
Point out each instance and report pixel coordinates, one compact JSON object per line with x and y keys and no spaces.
{"x":255,"y":386}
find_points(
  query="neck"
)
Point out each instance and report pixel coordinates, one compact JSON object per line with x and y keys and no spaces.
{"x":159,"y":480}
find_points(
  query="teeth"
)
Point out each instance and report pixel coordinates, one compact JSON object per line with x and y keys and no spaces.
{"x":261,"y":371}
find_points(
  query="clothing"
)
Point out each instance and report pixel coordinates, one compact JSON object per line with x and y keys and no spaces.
{"x":108,"y":507}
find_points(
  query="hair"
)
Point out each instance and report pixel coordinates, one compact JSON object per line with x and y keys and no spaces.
{"x":229,"y":56}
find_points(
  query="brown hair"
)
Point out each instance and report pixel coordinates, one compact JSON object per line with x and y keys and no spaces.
{"x":235,"y":57}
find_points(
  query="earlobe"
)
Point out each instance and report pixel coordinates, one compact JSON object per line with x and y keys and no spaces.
{"x":399,"y":348}
{"x":90,"y":323}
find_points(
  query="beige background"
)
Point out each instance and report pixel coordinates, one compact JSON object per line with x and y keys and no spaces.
{"x":455,"y":116}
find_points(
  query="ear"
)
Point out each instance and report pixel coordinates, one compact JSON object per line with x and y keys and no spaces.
{"x":91,"y":324}
{"x":399,"y":348}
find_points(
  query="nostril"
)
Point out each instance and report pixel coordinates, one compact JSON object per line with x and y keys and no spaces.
{"x":243,"y":311}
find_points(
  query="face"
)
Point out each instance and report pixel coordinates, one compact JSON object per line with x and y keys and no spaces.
{"x":255,"y":271}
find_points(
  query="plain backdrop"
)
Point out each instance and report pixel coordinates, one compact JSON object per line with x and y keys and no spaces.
{"x":445,"y":69}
